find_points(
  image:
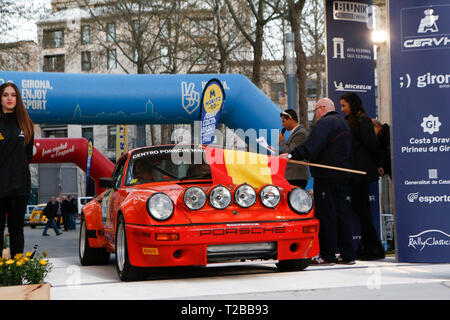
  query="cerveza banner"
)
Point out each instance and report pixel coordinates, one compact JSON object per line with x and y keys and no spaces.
{"x":350,"y":66}
{"x":420,"y":80}
{"x":68,"y":98}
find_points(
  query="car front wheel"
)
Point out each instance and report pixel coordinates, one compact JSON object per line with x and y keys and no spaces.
{"x":88,"y":255}
{"x":125,"y":270}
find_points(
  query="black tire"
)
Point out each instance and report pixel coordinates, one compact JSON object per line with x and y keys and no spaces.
{"x":293,"y":265}
{"x":125,"y":270}
{"x":90,"y":256}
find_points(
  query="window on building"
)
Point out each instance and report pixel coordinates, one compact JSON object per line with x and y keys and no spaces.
{"x":86,"y":61}
{"x":54,"y":63}
{"x":88,"y":133}
{"x":85,"y":34}
{"x":140,"y":135}
{"x":164,"y":51}
{"x":277,"y":93}
{"x":136,"y":25}
{"x":110,"y":32}
{"x":112,"y":132}
{"x":54,"y":132}
{"x":112,"y":59}
{"x":53,"y":38}
{"x":201,"y":28}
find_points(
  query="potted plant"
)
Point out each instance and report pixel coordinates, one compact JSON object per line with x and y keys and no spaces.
{"x":22,"y":277}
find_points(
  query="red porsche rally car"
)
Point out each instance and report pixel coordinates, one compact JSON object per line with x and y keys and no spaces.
{"x":162,"y":208}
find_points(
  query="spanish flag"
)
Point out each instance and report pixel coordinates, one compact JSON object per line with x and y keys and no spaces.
{"x":237,"y":167}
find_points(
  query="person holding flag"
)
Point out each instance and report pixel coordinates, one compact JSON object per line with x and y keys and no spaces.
{"x":329,"y":143}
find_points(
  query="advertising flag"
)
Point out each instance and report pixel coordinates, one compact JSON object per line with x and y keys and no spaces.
{"x":90,"y":152}
{"x":212,"y":101}
{"x":420,"y":84}
{"x":351,"y":68}
{"x":121,"y":140}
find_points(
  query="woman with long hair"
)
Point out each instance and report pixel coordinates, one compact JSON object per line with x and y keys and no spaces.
{"x":16,"y":150}
{"x":366,"y":155}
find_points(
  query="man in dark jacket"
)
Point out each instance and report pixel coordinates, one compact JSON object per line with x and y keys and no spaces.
{"x":66,"y":211}
{"x":329,"y":143}
{"x":50,"y":211}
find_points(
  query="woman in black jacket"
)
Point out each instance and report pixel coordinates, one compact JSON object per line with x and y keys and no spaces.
{"x":16,"y":150}
{"x":366,"y":155}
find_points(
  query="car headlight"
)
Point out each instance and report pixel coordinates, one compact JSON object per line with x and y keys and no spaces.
{"x":300,"y":201}
{"x":245,"y":196}
{"x":220,"y":197}
{"x":194,"y":198}
{"x":160,"y":206}
{"x":270,"y":196}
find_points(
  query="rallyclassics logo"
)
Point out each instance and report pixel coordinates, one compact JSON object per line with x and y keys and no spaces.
{"x":426,"y":28}
{"x":429,"y":238}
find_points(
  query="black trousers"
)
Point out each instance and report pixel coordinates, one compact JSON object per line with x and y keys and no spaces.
{"x":332,"y":209}
{"x":12,"y":210}
{"x":299,"y":183}
{"x":370,"y":243}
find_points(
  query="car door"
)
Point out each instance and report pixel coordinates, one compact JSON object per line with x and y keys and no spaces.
{"x":111,"y":201}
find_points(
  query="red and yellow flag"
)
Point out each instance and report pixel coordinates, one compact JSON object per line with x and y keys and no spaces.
{"x":237,"y":167}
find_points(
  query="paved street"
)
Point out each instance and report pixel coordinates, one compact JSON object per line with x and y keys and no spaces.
{"x":385,"y":279}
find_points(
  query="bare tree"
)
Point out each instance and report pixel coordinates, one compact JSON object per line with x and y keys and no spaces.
{"x":293,"y":13}
{"x":14,"y":54}
{"x":262,"y":12}
{"x":313,"y":33}
{"x":213,"y":31}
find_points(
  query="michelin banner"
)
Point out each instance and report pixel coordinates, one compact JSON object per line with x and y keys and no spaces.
{"x":350,"y":67}
{"x":420,"y":80}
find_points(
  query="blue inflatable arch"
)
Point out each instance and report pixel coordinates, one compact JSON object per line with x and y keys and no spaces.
{"x":65,"y":98}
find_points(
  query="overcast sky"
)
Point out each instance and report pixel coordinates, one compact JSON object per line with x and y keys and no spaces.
{"x":27,"y":30}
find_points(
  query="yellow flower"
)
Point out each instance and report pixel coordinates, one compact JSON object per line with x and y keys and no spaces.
{"x":26,"y":259}
{"x":43,"y":262}
{"x":44,"y":253}
{"x":19,"y":263}
{"x":9,"y":262}
{"x":1,"y":263}
{"x":18,"y":256}
{"x":29,"y":253}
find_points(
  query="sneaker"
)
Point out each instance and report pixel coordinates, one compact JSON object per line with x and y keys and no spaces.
{"x":319,"y":261}
{"x":58,"y":234}
{"x":339,"y":260}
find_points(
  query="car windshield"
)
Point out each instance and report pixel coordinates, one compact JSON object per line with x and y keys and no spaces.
{"x":167,"y":163}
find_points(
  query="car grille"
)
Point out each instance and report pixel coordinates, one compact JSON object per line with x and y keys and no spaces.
{"x":226,"y":252}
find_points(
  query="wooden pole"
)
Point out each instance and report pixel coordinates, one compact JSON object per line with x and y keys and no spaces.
{"x":326,"y":167}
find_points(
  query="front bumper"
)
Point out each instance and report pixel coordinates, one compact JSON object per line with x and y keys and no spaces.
{"x":199,"y":245}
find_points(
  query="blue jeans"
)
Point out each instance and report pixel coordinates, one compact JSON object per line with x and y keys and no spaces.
{"x":51,"y":223}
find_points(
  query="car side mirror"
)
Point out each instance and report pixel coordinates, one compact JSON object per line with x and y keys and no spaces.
{"x":106,"y":183}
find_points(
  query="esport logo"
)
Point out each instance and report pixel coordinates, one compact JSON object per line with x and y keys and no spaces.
{"x":415,"y":197}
